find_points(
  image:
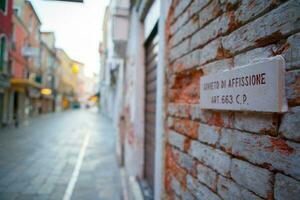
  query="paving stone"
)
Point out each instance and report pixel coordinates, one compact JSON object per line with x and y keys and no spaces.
{"x":37,"y":162}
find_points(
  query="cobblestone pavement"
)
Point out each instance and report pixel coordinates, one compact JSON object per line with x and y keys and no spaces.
{"x":38,"y":161}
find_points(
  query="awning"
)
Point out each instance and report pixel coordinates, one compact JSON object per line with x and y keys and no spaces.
{"x":21,"y":85}
{"x":25,"y":83}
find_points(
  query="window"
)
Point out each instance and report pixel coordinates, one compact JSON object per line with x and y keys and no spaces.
{"x":2,"y":51}
{"x":37,"y":33}
{"x":30,"y":25}
{"x":3,"y":6}
{"x":17,"y":11}
{"x":13,"y":43}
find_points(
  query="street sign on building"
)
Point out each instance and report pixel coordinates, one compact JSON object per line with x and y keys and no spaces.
{"x":255,"y":87}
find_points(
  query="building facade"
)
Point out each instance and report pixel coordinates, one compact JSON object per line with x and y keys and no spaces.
{"x":113,"y":57}
{"x":6,"y":12}
{"x":65,"y":87}
{"x":19,"y":108}
{"x":35,"y":77}
{"x":33,"y":56}
{"x":78,"y":79}
{"x":113,"y":54}
{"x":176,"y":149}
{"x":69,"y":76}
{"x":49,"y":63}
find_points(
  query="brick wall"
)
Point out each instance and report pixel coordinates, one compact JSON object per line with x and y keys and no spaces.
{"x":230,"y":155}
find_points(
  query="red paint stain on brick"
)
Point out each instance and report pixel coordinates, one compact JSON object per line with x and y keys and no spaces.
{"x":220,"y":53}
{"x":167,"y":179}
{"x":172,"y":166}
{"x":195,"y":19}
{"x":270,"y":131}
{"x":266,"y":165}
{"x":281,"y":146}
{"x":233,"y":24}
{"x":178,"y":67}
{"x":186,"y":127}
{"x":187,"y":144}
{"x":281,"y":49}
{"x":217,"y":10}
{"x":167,"y":183}
{"x":274,"y":37}
{"x":187,"y":88}
{"x":216,"y":119}
{"x":171,"y":95}
{"x":178,"y":172}
{"x":228,"y":150}
{"x":226,"y":53}
{"x":168,"y":166}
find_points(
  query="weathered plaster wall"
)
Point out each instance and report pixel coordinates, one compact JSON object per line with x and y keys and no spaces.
{"x":230,"y":155}
{"x":133,"y":110}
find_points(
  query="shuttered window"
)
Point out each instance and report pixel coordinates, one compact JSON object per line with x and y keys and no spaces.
{"x":151,"y":51}
{"x":3,"y":5}
{"x":2,"y":51}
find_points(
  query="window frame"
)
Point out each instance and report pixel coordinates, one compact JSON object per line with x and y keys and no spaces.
{"x":30,"y":23}
{"x":2,"y":68}
{"x":5,"y":9}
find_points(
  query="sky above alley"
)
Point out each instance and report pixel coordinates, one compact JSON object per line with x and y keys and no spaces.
{"x":77,"y":27}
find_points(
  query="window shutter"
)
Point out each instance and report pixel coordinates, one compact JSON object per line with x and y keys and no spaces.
{"x":3,"y":5}
{"x":2,"y":52}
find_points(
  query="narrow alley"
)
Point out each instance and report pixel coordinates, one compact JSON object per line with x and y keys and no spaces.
{"x":40,"y":160}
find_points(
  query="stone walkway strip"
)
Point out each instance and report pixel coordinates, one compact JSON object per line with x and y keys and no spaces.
{"x":73,"y":180}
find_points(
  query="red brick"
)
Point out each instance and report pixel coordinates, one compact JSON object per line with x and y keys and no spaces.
{"x":186,"y":88}
{"x":186,"y":127}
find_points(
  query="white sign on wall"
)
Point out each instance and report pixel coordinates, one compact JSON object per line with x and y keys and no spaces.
{"x":30,"y":52}
{"x":255,"y":87}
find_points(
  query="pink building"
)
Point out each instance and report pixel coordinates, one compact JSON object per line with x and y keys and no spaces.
{"x":5,"y":36}
{"x":19,"y":39}
{"x":19,"y":81}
